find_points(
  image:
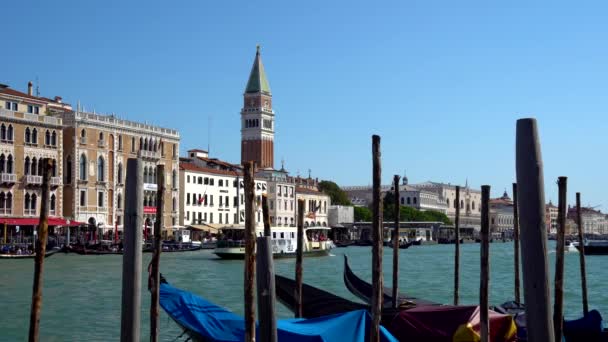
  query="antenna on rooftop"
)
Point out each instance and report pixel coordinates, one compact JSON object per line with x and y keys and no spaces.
{"x":209,"y":135}
{"x":37,"y":87}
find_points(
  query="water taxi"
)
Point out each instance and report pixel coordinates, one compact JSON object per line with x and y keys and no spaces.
{"x":231,"y":245}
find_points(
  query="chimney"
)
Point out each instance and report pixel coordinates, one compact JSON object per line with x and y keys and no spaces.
{"x":58,"y":99}
{"x":30,"y":88}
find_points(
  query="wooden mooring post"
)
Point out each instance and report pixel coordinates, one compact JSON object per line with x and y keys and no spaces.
{"x":131,"y":259}
{"x":40,"y":250}
{"x":155,"y":263}
{"x":581,"y":244}
{"x":457,"y":247}
{"x":265,"y":281}
{"x":299,"y":249}
{"x":396,"y":244}
{"x":249,"y":170}
{"x":516,"y":244}
{"x":558,"y":303}
{"x":533,"y":234}
{"x":484,"y":282}
{"x":377,"y":241}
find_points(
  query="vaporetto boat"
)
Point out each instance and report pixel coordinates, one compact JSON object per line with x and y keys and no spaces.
{"x":284,"y":242}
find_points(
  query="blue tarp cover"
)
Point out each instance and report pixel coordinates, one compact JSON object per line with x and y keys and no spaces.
{"x":214,"y":323}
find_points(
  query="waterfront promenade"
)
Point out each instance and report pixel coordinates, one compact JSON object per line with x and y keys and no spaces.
{"x":82,"y":293}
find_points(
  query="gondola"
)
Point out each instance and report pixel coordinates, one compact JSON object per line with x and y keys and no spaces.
{"x":26,"y":256}
{"x":406,"y":245}
{"x":342,"y":244}
{"x":363,"y":290}
{"x":175,"y":248}
{"x":317,"y":303}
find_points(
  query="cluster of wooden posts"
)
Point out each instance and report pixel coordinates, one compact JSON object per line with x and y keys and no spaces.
{"x":529,"y":210}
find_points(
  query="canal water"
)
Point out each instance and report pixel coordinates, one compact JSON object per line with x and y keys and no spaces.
{"x":82,"y":294}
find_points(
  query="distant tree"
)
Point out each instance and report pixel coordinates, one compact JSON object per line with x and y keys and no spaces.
{"x":363,"y":214}
{"x":337,"y":195}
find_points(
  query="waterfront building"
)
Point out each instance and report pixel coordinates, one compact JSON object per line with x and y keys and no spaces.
{"x":96,"y":150}
{"x":212,"y":193}
{"x":28,"y":133}
{"x":316,"y":204}
{"x":257,"y":118}
{"x":501,"y":214}
{"x":551,"y":218}
{"x":594,"y":221}
{"x":281,"y":197}
{"x":470,"y":202}
{"x":340,"y":214}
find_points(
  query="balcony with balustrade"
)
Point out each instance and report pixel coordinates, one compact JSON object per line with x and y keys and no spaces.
{"x":33,"y":180}
{"x":8,"y":178}
{"x":55,"y":181}
{"x":150,"y":155}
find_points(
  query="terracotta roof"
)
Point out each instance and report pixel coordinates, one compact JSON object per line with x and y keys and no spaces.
{"x":218,"y":162}
{"x":194,"y":168}
{"x":303,"y":190}
{"x":9,"y":91}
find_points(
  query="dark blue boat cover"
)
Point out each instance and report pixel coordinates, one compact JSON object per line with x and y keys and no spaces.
{"x":214,"y":323}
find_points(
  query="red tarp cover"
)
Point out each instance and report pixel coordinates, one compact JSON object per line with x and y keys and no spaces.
{"x":439,"y":323}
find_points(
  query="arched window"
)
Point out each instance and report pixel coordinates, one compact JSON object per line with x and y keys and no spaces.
{"x":119,"y":201}
{"x":9,"y":164}
{"x":119,"y":173}
{"x":100,"y":136}
{"x":34,"y":136}
{"x":83,"y":167}
{"x":408,"y":200}
{"x":133,"y":144}
{"x":54,"y":138}
{"x":54,"y":168}
{"x":145,"y":144}
{"x":26,"y":202}
{"x":83,"y":133}
{"x":40,"y":166}
{"x":33,"y":203}
{"x":100,"y":169}
{"x":9,"y":203}
{"x":447,"y":202}
{"x":34,"y":166}
{"x":402,"y":200}
{"x":120,"y":142}
{"x":2,"y":202}
{"x":2,"y":163}
{"x":174,"y":204}
{"x":28,"y":135}
{"x":174,"y":179}
{"x":26,"y":166}
{"x":52,"y":206}
{"x":141,"y":143}
{"x":68,"y":170}
{"x":145,"y":174}
{"x":3,"y":132}
{"x":9,"y":133}
{"x":473,"y":205}
{"x":414,"y":200}
{"x":461,"y":204}
{"x":47,"y":137}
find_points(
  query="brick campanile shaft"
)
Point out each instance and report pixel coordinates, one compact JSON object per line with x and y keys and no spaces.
{"x":257,"y":118}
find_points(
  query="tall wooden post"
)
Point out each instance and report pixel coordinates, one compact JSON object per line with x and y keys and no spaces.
{"x":485,"y":264}
{"x":155,"y":276}
{"x":266,"y":215}
{"x":457,"y":245}
{"x":396,"y":244}
{"x":131,"y":259}
{"x":43,"y":233}
{"x":581,"y":244}
{"x":533,"y":235}
{"x":265,"y":281}
{"x":299,"y":249}
{"x":558,"y":303}
{"x":377,"y":240}
{"x":516,"y":243}
{"x":249,"y":251}
{"x":266,"y":290}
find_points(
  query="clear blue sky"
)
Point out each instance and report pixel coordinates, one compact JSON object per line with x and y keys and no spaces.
{"x":442,"y":82}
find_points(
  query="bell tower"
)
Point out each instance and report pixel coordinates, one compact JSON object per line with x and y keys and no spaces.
{"x":257,"y":118}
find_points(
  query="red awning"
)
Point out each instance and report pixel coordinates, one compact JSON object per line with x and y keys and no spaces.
{"x":33,"y":221}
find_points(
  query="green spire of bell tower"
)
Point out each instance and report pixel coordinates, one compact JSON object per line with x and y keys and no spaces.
{"x":257,"y":78}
